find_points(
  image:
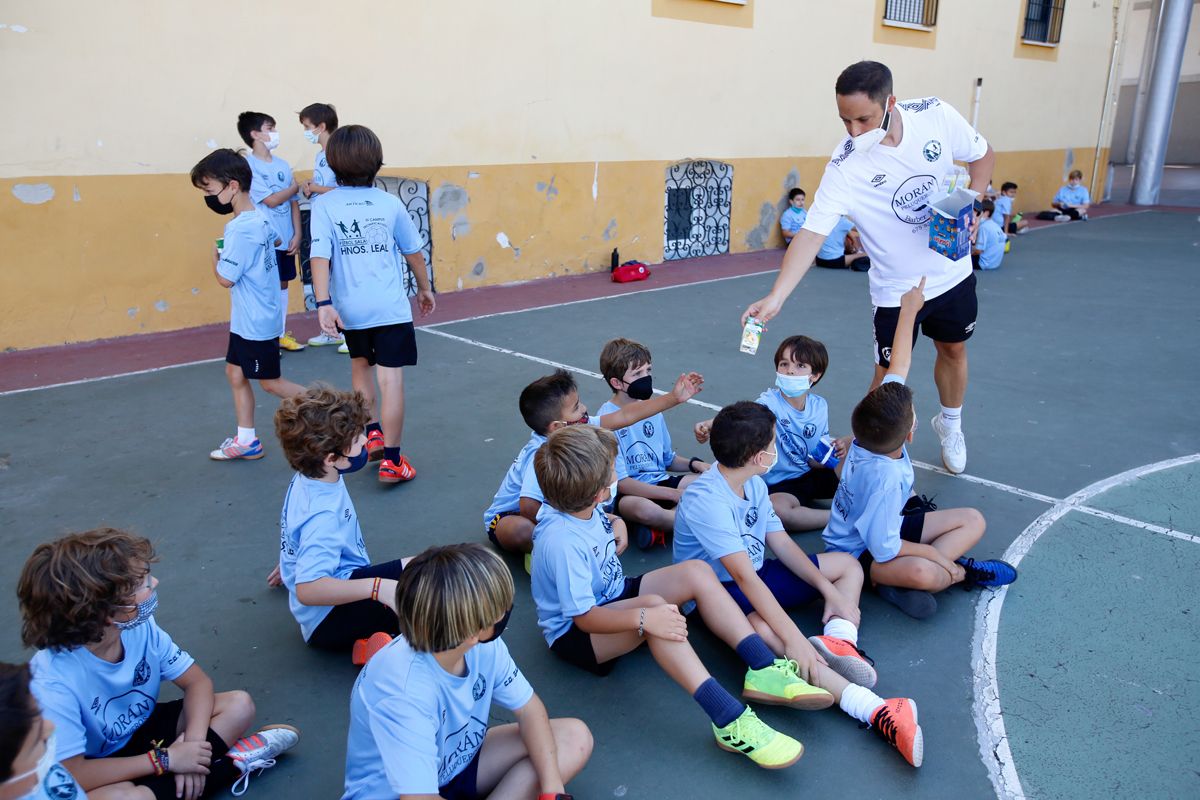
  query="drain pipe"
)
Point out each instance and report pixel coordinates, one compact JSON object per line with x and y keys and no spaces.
{"x":1110,"y":97}
{"x":975,"y":110}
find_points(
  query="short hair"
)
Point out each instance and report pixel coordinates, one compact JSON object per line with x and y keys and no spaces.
{"x":541,"y":401}
{"x":1075,"y":173}
{"x":866,"y":77}
{"x":319,"y":421}
{"x":987,"y":207}
{"x":448,"y":594}
{"x":796,"y":192}
{"x":223,"y":165}
{"x":18,"y":712}
{"x":573,"y":466}
{"x":741,"y":430}
{"x":355,"y":155}
{"x":804,"y":350}
{"x":70,"y":588}
{"x":621,"y":355}
{"x":1004,"y":187}
{"x":320,"y":114}
{"x":249,"y":121}
{"x":883,"y":419}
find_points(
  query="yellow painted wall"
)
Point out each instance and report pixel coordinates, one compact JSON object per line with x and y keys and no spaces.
{"x":117,"y":100}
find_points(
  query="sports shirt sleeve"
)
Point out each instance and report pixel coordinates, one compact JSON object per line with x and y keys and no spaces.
{"x":407,"y":740}
{"x":529,"y":484}
{"x":321,"y":228}
{"x":512,"y":690}
{"x":572,"y":577}
{"x":61,"y":707}
{"x":668,"y":453}
{"x":966,"y":143}
{"x":238,"y":254}
{"x":407,"y":238}
{"x":718,"y":541}
{"x":831,"y":203}
{"x":319,"y":552}
{"x":879,"y":523}
{"x":173,"y":660}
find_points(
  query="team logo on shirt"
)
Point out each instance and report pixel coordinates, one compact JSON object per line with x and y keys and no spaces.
{"x":798,"y":451}
{"x":932,"y":150}
{"x":647,"y":429}
{"x":810,"y":430}
{"x":920,"y":105}
{"x":59,"y":784}
{"x":843,"y":499}
{"x":910,"y":200}
{"x":847,"y":149}
{"x":461,"y":746}
{"x":141,"y":672}
{"x":751,"y":517}
{"x":124,"y":714}
{"x":623,"y":433}
{"x":879,"y":180}
{"x":754,"y":548}
{"x":370,"y":236}
{"x":478,"y":689}
{"x":640,"y":458}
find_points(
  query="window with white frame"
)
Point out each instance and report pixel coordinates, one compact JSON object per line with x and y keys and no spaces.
{"x":910,"y":13}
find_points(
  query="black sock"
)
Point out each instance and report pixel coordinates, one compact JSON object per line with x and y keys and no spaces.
{"x":222,"y":771}
{"x":392,"y":454}
{"x":374,"y":426}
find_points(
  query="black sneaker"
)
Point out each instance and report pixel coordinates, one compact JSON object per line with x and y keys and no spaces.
{"x":918,"y":502}
{"x":917,"y":603}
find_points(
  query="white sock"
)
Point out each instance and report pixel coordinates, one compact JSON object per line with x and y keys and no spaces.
{"x":952,"y":418}
{"x":283,"y":301}
{"x":859,"y":702}
{"x":246,"y":435}
{"x":839,"y":628}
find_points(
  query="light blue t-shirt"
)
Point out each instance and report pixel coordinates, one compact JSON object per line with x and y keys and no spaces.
{"x":508,"y":496}
{"x":1073,"y":195}
{"x":645,"y":447}
{"x":319,"y":537}
{"x":712,"y":522}
{"x":59,"y":784}
{"x":96,"y":705}
{"x":792,"y":220}
{"x":835,"y":243}
{"x":531,"y":489}
{"x":1003,"y":204}
{"x":866,"y":507}
{"x":248,"y":261}
{"x":365,"y":233}
{"x":270,"y":177}
{"x":414,"y":726}
{"x":322,"y":172}
{"x":989,"y":240}
{"x":575,"y":568}
{"x":796,"y":432}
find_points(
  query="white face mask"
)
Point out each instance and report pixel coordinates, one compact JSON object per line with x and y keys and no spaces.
{"x":311,"y":136}
{"x":41,"y":770}
{"x":793,"y":385}
{"x":612,"y":491}
{"x":272,"y":140}
{"x":774,"y":461}
{"x":865,"y":141}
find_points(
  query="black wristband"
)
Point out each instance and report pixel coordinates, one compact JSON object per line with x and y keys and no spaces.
{"x":321,"y":303}
{"x":692,"y":464}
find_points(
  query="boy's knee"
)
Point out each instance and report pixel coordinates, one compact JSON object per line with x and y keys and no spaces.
{"x":698,"y":572}
{"x":574,"y":737}
{"x":650,"y":600}
{"x":930,"y":576}
{"x":840,"y":565}
{"x":241,"y":704}
{"x":973,"y":519}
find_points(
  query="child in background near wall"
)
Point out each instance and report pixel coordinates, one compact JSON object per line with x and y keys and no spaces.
{"x":1009,"y":221}
{"x":792,"y":218}
{"x":319,"y":121}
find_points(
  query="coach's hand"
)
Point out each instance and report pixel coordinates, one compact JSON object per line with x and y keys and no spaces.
{"x":763,"y":310}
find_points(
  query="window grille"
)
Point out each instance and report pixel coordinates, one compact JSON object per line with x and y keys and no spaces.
{"x":1043,"y":21}
{"x":911,"y":12}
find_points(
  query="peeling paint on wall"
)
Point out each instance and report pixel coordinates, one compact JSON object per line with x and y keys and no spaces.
{"x":161,"y":305}
{"x":472,"y":174}
{"x":502,"y":239}
{"x":479,"y":269}
{"x":461,"y":226}
{"x":212,"y":143}
{"x":132,"y":311}
{"x":1068,"y":162}
{"x":75,"y":194}
{"x":195,"y":290}
{"x":547,"y":188}
{"x":33,"y":194}
{"x":756,"y":239}
{"x":610,"y":230}
{"x":449,"y":199}
{"x":596,"y":182}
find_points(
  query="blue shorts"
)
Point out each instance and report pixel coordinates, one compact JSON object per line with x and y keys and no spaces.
{"x":787,"y":587}
{"x":463,"y":785}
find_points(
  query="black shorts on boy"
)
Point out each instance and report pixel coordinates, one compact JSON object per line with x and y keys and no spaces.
{"x":912,"y":523}
{"x":349,"y":622}
{"x":160,"y":729}
{"x":575,"y":646}
{"x":287,"y":265}
{"x":949,"y":318}
{"x":386,"y":345}
{"x":259,"y":360}
{"x":816,"y":484}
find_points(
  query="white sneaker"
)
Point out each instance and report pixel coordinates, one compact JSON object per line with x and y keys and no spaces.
{"x":1062,"y":218}
{"x":258,"y":752}
{"x":344,"y":349}
{"x":322,"y":339}
{"x":954,"y":446}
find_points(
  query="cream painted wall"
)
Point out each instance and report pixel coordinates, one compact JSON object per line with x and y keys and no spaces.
{"x":1138,"y":26}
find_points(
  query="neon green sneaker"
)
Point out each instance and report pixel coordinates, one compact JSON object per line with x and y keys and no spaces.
{"x":758,"y":741}
{"x":780,"y":685}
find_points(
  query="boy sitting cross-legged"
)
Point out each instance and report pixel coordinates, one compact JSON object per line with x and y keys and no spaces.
{"x":726,"y":519}
{"x":591,"y":614}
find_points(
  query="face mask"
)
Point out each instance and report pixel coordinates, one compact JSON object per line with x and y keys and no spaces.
{"x":641,"y":389}
{"x":771,"y":466}
{"x":581,"y":421}
{"x":498,"y":628}
{"x":865,"y":141}
{"x":356,"y":462}
{"x":792,"y":385}
{"x":145,"y":610}
{"x":41,"y":770}
{"x":311,"y":136}
{"x":612,"y":491}
{"x":213,"y":201}
{"x":272,"y":140}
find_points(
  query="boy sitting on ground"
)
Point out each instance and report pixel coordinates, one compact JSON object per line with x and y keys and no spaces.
{"x":792,"y":218}
{"x":1072,"y":200}
{"x":842,"y":248}
{"x":1009,"y":221}
{"x":988,"y":250}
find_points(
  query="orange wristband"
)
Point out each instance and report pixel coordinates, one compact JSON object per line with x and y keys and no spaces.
{"x":375,"y":589}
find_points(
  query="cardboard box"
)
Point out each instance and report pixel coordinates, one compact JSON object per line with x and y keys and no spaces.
{"x":950,"y":224}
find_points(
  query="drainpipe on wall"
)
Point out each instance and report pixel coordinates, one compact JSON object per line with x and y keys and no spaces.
{"x":1110,"y":98}
{"x":1143,"y":84}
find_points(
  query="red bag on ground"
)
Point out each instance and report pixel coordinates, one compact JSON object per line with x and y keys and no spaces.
{"x":630,"y":271}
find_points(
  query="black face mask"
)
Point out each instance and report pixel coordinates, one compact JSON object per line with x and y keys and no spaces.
{"x":641,"y":389}
{"x":216,"y":205}
{"x":498,"y":628}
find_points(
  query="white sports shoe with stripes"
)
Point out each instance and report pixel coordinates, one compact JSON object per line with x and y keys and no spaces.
{"x":258,"y":752}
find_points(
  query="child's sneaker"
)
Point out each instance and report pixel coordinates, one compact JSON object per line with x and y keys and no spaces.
{"x":846,"y":659}
{"x":989,"y":573}
{"x":323,"y":339}
{"x":344,"y":349}
{"x":232,"y":450}
{"x":258,"y":752}
{"x":1062,"y":218}
{"x":374,"y":445}
{"x":954,"y":446}
{"x":780,"y":685}
{"x":396,"y":471}
{"x":917,"y":603}
{"x":896,"y":723}
{"x":758,"y":741}
{"x":288,"y":342}
{"x":365,"y":648}
{"x":529,"y":564}
{"x":648,"y":538}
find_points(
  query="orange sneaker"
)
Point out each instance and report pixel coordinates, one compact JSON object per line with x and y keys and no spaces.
{"x":896,"y":722}
{"x":396,"y":471}
{"x":846,"y":659}
{"x":374,"y":445}
{"x":365,"y":648}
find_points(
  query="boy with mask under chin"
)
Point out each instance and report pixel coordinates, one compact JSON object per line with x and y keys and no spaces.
{"x":245,"y":264}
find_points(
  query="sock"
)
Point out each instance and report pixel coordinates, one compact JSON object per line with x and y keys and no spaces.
{"x":283,"y":301}
{"x":223,"y":770}
{"x":374,"y":426}
{"x":719,"y":704}
{"x":392,"y":454}
{"x":839,"y":628}
{"x":246,"y":435}
{"x":952,"y":418}
{"x":860,"y":702}
{"x":754,"y":651}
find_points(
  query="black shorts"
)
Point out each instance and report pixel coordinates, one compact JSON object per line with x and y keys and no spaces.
{"x":387,"y":345}
{"x":1012,"y":227}
{"x":463,"y":786}
{"x":831,"y":263}
{"x":816,"y":484}
{"x":349,"y":622}
{"x":491,"y":526}
{"x":912,"y":523}
{"x":671,"y":481}
{"x":259,"y":360}
{"x":575,"y":646}
{"x":948,"y":318}
{"x":789,"y":589}
{"x":159,"y":730}
{"x":287,"y":265}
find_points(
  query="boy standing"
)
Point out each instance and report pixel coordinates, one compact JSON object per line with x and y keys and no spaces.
{"x":1072,"y":200}
{"x":274,"y":192}
{"x":907,"y":548}
{"x":988,"y":250}
{"x":319,"y":121}
{"x":361,"y":239}
{"x":246,"y":266}
{"x":792,"y":218}
{"x":1008,"y":221}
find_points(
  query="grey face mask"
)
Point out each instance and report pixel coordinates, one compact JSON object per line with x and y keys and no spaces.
{"x":145,"y":610}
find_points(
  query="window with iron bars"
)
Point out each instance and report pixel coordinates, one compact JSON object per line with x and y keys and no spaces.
{"x":1043,"y":21}
{"x":911,"y":12}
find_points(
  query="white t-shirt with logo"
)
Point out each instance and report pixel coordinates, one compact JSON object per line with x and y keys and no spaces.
{"x":887,"y":190}
{"x":712,"y":522}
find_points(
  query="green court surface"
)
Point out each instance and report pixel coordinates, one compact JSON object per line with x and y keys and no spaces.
{"x":1082,"y":368}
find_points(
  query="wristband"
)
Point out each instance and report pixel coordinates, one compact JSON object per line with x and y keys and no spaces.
{"x":642,"y":624}
{"x":155,"y":762}
{"x":164,"y":758}
{"x":692,"y":464}
{"x":553,"y":796}
{"x":322,"y":303}
{"x":375,"y":590}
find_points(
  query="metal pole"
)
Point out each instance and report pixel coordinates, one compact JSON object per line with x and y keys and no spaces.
{"x":1160,"y":102}
{"x":975,"y":109}
{"x":1110,"y":98}
{"x":1143,"y":84}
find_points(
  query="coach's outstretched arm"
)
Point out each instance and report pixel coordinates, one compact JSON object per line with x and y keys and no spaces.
{"x":796,"y":261}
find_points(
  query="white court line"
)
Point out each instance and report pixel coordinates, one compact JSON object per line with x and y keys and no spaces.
{"x":1055,"y":225}
{"x":107,"y":377}
{"x":989,"y":718}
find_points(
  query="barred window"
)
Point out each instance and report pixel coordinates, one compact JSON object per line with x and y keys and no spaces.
{"x":1043,"y":21}
{"x":922,"y":13}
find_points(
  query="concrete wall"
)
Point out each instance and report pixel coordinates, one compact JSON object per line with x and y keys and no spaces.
{"x":549,"y":122}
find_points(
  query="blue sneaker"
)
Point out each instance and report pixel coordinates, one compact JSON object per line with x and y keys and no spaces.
{"x":232,"y":450}
{"x":991,"y":573}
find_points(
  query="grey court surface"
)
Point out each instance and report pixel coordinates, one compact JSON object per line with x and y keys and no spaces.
{"x":1077,"y":682}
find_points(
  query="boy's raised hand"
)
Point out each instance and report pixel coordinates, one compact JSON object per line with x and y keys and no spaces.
{"x":688,"y":386}
{"x":666,"y":622}
{"x":702,"y":430}
{"x":914,"y":298}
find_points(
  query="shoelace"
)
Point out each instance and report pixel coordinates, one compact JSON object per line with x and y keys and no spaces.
{"x":885,"y":726}
{"x":862,"y":653}
{"x":747,"y":728}
{"x":240,"y":786}
{"x":977,"y":573}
